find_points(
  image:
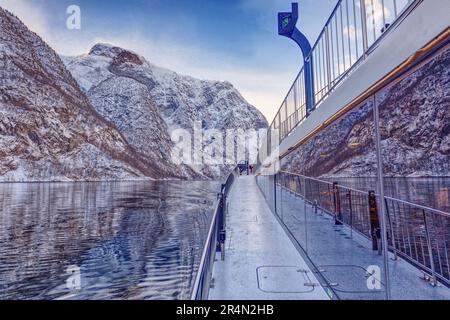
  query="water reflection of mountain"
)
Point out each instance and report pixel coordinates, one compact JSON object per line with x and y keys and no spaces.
{"x":131,"y":240}
{"x":415,"y":131}
{"x":430,"y":192}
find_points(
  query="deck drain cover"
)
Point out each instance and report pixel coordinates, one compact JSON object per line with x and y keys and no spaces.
{"x":350,"y":278}
{"x":280,"y":279}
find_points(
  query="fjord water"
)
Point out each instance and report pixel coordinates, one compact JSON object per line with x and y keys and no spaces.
{"x":129,"y":240}
{"x":433,"y":192}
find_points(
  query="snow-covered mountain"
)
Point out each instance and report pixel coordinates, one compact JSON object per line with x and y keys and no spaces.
{"x":147,"y":102}
{"x":111,"y":123}
{"x":415,"y":131}
{"x":48,"y":128}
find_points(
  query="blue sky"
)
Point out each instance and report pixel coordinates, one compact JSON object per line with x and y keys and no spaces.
{"x":233,"y":40}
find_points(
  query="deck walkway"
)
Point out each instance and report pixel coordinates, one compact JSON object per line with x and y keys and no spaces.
{"x":344,"y":257}
{"x":261,"y":261}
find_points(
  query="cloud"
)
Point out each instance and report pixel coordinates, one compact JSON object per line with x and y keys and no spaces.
{"x":261,"y":84}
{"x":377,"y":12}
{"x":30,"y":14}
{"x":350,"y":32}
{"x":259,"y":87}
{"x":374,"y":13}
{"x":267,"y":6}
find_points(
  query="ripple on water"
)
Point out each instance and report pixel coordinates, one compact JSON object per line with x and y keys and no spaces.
{"x":130,"y":240}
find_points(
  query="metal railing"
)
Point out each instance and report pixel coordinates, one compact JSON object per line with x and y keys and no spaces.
{"x":420,"y":235}
{"x":214,"y":242}
{"x":349,"y":36}
{"x":416,"y":233}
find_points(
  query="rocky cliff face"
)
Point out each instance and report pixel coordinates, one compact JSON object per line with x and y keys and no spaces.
{"x":132,"y":93}
{"x":415,"y":131}
{"x":113,"y":122}
{"x":48,"y":128}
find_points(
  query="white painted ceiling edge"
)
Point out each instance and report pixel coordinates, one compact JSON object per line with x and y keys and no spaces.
{"x":421,"y":26}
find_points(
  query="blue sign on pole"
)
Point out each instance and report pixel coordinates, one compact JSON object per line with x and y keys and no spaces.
{"x":287,"y":27}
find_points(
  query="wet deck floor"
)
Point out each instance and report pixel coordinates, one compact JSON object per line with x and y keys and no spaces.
{"x":344,"y":257}
{"x":261,"y":261}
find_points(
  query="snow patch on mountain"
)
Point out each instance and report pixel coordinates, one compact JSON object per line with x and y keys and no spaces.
{"x":147,"y":102}
{"x":415,"y":131}
{"x":49,"y":130}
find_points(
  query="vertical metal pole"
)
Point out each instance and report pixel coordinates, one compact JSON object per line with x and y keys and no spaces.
{"x":384,"y":15}
{"x":374,"y":221}
{"x":349,"y":197}
{"x":391,"y":226}
{"x":319,"y":61}
{"x":314,"y":70}
{"x":337,"y":47}
{"x":306,"y":217}
{"x":337,"y":205}
{"x":295,"y":102}
{"x":324,"y":61}
{"x":280,"y":126}
{"x":376,"y":117}
{"x":330,"y":33}
{"x":430,"y":250}
{"x":364,"y":28}
{"x":356,"y":30}
{"x":309,"y":84}
{"x":327,"y":35}
{"x":373,"y":21}
{"x":275,"y":192}
{"x":348,"y":35}
{"x":316,"y":56}
{"x":342,"y":38}
{"x":286,"y":121}
{"x":281,"y":195}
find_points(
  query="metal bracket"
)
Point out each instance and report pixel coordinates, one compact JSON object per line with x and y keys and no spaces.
{"x":311,"y":284}
{"x":287,"y":27}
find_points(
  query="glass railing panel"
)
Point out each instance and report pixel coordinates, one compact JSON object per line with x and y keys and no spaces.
{"x":414,"y":132}
{"x":334,"y":222}
{"x":345,"y":41}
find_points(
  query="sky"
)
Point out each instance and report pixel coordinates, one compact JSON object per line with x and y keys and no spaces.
{"x":228,"y":40}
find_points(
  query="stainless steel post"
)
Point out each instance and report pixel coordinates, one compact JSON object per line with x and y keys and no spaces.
{"x":281,"y":195}
{"x":327,"y":36}
{"x":306,"y":217}
{"x":391,"y":226}
{"x":430,"y":250}
{"x":364,"y":28}
{"x":376,"y":115}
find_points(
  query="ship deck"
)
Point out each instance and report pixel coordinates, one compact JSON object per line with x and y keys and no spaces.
{"x":262,"y":262}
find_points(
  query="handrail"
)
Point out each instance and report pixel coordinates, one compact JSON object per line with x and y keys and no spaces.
{"x":349,"y":36}
{"x":202,"y":281}
{"x":362,"y":191}
{"x":197,"y":292}
{"x":415,"y":232}
{"x":447,"y":214}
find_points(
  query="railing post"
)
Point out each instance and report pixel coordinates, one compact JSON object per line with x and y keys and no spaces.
{"x":375,"y":229}
{"x":306,"y":217}
{"x":275,"y":192}
{"x":300,"y":187}
{"x":364,"y":28}
{"x":337,"y":205}
{"x":327,"y":39}
{"x":388,"y":215}
{"x":281,"y":194}
{"x":349,"y":197}
{"x":287,"y":27}
{"x":221,"y":221}
{"x":430,"y":250}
